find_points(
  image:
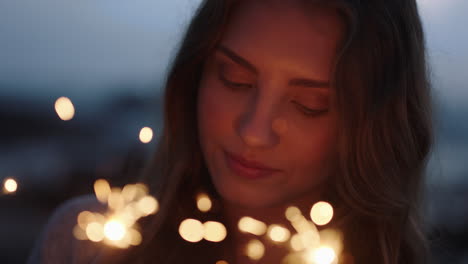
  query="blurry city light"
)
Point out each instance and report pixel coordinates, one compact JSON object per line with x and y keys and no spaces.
{"x":64,"y":108}
{"x":214,"y":231}
{"x":249,"y":225}
{"x":255,"y":249}
{"x":146,"y":135}
{"x":114,"y":230}
{"x":203,"y":202}
{"x":10,"y":185}
{"x":278,"y":233}
{"x":191,"y":230}
{"x":321,"y":213}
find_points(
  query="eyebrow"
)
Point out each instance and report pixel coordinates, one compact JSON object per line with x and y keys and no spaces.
{"x":298,"y":82}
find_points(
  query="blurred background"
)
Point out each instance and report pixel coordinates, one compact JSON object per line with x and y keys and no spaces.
{"x":108,"y":60}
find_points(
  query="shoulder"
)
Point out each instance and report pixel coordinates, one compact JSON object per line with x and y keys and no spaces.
{"x":57,"y":243}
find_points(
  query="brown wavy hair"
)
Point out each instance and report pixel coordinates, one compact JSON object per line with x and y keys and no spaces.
{"x":385,"y":137}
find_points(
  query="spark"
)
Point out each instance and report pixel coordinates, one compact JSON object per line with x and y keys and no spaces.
{"x":191,"y":230}
{"x":255,"y":249}
{"x":203,"y":202}
{"x":321,"y":213}
{"x":214,"y":231}
{"x":250,"y":225}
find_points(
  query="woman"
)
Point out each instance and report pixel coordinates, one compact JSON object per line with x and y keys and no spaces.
{"x":275,"y":103}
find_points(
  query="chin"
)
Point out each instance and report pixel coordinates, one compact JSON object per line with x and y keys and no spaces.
{"x":248,"y":198}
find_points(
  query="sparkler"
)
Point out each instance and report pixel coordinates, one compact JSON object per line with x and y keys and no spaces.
{"x":117,"y":227}
{"x":308,"y":245}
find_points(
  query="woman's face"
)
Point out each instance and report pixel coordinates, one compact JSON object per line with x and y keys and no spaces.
{"x":265,"y":98}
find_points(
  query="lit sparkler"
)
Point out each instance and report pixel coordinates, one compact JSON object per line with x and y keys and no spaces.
{"x":117,"y":227}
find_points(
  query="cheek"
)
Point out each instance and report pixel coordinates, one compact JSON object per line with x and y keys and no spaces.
{"x":215,"y":110}
{"x":312,"y":150}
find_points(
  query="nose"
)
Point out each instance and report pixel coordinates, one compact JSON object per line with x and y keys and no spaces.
{"x":255,"y":125}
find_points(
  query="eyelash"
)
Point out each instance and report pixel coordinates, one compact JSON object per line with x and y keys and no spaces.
{"x":242,"y":86}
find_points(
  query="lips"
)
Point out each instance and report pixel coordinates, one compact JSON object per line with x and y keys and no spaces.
{"x":248,"y":169}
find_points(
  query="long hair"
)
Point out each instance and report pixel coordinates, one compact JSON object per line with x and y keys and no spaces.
{"x":385,"y":136}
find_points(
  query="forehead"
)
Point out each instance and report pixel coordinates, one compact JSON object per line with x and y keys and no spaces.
{"x":285,"y":35}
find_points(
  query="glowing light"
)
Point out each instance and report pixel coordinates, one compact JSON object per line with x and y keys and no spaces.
{"x":102,"y":190}
{"x":221,"y":262}
{"x":309,"y":238}
{"x":129,"y":192}
{"x":64,"y":108}
{"x":10,"y":185}
{"x":79,"y":233}
{"x":95,"y":232}
{"x":84,"y":218}
{"x":148,"y":205}
{"x":214,"y":231}
{"x":321,"y":213}
{"x":249,"y":225}
{"x":115,"y":200}
{"x":135,"y":237}
{"x":296,"y":243}
{"x":293,"y":213}
{"x":114,"y":230}
{"x":146,"y":135}
{"x":191,"y":230}
{"x":203,"y":202}
{"x":332,"y":238}
{"x":255,"y":249}
{"x":116,"y":227}
{"x":322,"y":255}
{"x":278,"y":233}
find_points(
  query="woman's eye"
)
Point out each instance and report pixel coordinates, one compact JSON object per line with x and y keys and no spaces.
{"x":235,"y":85}
{"x":310,"y":112}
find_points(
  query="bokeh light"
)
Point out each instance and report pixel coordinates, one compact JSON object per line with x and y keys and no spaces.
{"x":278,"y":233}
{"x":203,"y":202}
{"x":146,"y":135}
{"x":214,"y":231}
{"x":102,"y":190}
{"x":221,"y":262}
{"x":293,"y":213}
{"x":255,"y":249}
{"x":148,"y":205}
{"x":321,"y":213}
{"x":116,"y":227}
{"x":322,"y":255}
{"x":95,"y":231}
{"x":64,"y":108}
{"x":250,"y":225}
{"x":10,"y":185}
{"x":191,"y":230}
{"x":114,"y":230}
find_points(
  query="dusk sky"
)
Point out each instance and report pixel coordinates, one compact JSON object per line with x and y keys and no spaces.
{"x":87,"y":43}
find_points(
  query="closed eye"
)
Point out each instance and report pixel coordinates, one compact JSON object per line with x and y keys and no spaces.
{"x":232,"y":84}
{"x":308,"y":111}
